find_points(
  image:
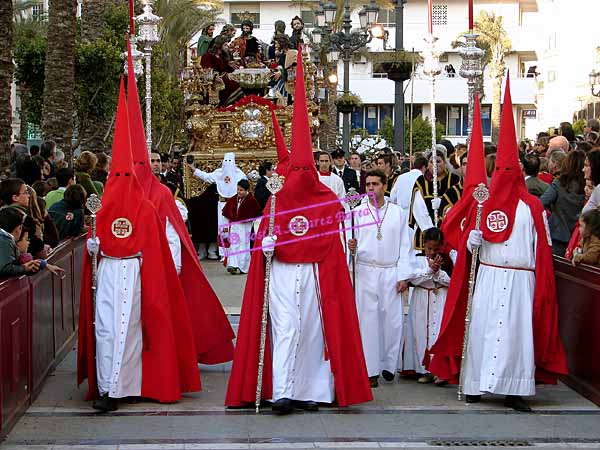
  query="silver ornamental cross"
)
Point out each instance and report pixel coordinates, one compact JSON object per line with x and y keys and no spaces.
{"x":93,"y":204}
{"x":353,"y":198}
{"x":481,"y":194}
{"x":275,"y":184}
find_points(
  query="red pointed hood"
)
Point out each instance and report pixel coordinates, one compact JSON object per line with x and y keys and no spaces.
{"x":139,"y":148}
{"x":117,"y":224}
{"x":306,"y":222}
{"x":508,"y":184}
{"x":461,"y":217}
{"x":283,"y":155}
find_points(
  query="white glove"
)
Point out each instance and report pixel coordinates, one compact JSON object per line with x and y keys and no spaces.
{"x":93,"y":246}
{"x":475,"y":239}
{"x":435,"y":203}
{"x":268,"y":244}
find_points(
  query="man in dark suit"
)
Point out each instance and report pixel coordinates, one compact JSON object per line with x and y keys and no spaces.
{"x":261,"y":193}
{"x":341,"y":169}
{"x":531,"y":168}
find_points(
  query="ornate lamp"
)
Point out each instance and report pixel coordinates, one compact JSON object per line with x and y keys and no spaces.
{"x":136,"y":56}
{"x":147,"y":37}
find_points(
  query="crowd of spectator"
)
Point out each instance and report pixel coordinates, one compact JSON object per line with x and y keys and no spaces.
{"x":43,"y":203}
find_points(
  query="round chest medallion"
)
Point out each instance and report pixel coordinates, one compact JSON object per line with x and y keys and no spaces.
{"x":298,"y":225}
{"x":121,"y":228}
{"x":497,"y":221}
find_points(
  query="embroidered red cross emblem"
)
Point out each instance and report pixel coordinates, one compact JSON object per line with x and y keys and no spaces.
{"x":298,"y":226}
{"x":497,"y":221}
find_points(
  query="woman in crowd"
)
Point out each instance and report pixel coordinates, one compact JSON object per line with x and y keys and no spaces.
{"x":565,"y":198}
{"x":37,"y":210}
{"x":83,"y":169}
{"x":100,"y":172}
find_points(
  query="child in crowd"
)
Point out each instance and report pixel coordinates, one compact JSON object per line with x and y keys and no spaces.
{"x":430,"y":278}
{"x":13,"y":240}
{"x":240,"y":210}
{"x":589,"y":250}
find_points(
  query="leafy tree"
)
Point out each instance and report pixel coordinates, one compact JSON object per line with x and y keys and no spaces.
{"x":421,"y":138}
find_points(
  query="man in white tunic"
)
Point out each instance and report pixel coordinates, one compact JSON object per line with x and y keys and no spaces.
{"x":380,"y":230}
{"x":513,"y":336}
{"x":329,"y":179}
{"x":226,"y":178}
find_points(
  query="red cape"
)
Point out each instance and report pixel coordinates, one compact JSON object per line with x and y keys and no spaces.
{"x":550,"y":360}
{"x":340,"y":324}
{"x":212,"y":331}
{"x":249,"y":209}
{"x":168,"y":356}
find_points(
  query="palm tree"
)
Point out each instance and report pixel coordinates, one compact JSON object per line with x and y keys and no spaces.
{"x":6,"y":76}
{"x":494,"y":40}
{"x":92,"y":19}
{"x":59,"y":83}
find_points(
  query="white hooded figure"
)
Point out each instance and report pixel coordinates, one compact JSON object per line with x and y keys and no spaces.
{"x":226,"y":178}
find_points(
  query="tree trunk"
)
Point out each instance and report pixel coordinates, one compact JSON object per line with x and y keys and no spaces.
{"x":59,"y":83}
{"x":6,"y":78}
{"x":497,"y":76}
{"x":23,"y":95}
{"x":92,"y":19}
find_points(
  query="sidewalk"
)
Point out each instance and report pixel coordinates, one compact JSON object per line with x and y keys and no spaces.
{"x":404,"y":414}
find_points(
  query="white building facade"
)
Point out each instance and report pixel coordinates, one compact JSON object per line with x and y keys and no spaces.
{"x":450,"y":21}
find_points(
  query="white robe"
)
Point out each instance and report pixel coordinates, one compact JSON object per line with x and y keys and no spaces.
{"x":500,"y":356}
{"x":378,"y":269}
{"x":118,"y":328}
{"x":401,"y":194}
{"x":238,"y":253}
{"x":226,"y":181}
{"x":300,"y":371}
{"x":427,"y":301}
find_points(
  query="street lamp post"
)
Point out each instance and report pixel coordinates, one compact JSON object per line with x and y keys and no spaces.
{"x":345,"y":43}
{"x":431,"y":68}
{"x":399,"y":84}
{"x":136,"y":57}
{"x":472,"y":70}
{"x":148,"y":36}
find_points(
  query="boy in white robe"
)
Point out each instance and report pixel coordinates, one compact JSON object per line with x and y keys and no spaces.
{"x":430,"y":282}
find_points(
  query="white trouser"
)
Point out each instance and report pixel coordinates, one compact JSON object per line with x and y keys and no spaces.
{"x":380,"y":315}
{"x":222,"y":222}
{"x":300,"y":371}
{"x":119,"y":328}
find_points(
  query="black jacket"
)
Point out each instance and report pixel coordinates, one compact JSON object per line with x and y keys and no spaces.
{"x":9,"y":266}
{"x":349,"y":177}
{"x":261,"y":193}
{"x":69,"y":221}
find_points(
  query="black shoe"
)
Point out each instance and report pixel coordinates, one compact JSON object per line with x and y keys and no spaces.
{"x":387,"y":375}
{"x":105,"y":404}
{"x":306,"y":406}
{"x":282,"y":407}
{"x":517,"y":403}
{"x":373,"y":381}
{"x":472,"y":398}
